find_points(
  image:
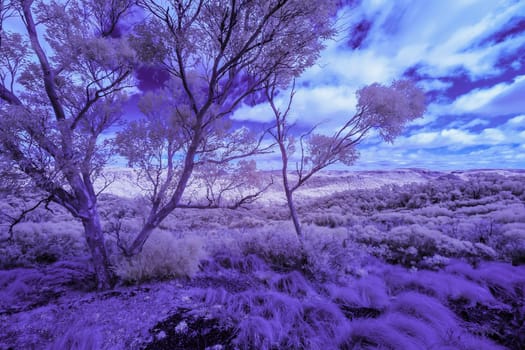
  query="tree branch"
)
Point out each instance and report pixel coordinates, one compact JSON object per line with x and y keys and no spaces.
{"x":22,"y":215}
{"x":47,"y":71}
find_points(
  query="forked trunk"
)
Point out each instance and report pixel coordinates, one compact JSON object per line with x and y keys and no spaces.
{"x":97,"y":248}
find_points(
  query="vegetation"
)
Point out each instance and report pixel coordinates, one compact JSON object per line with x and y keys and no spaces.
{"x":430,"y":264}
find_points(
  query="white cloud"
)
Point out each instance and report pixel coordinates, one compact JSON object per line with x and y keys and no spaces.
{"x":475,"y":122}
{"x":478,"y":98}
{"x":261,"y":113}
{"x":463,"y":124}
{"x":329,"y":99}
{"x":326,"y":106}
{"x":434,"y":84}
{"x":442,"y":36}
{"x":424,"y":138}
{"x":518,"y":120}
{"x":493,"y":136}
{"x":355,"y":69}
{"x":500,"y":99}
{"x":456,"y":137}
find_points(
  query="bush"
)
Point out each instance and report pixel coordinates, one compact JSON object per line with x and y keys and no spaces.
{"x":331,"y":254}
{"x":163,"y":256}
{"x":42,"y":243}
{"x":328,"y":220}
{"x":279,"y":247}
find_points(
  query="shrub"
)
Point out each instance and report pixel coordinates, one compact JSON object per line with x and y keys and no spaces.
{"x":244,"y":264}
{"x":163,"y":256}
{"x":378,"y":334}
{"x":366,"y":292}
{"x":277,"y":245}
{"x":292,"y":283}
{"x":328,"y":220}
{"x":42,"y":243}
{"x":510,"y":214}
{"x":331,"y":254}
{"x":427,"y":310}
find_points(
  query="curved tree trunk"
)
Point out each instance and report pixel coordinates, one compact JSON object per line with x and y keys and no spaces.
{"x":97,"y":248}
{"x":289,"y":193}
{"x":157,"y":215}
{"x":139,"y":241}
{"x":293,"y":211}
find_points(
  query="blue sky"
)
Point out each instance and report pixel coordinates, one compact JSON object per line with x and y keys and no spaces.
{"x":467,"y":55}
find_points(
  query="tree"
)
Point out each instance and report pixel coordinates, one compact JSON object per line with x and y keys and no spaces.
{"x":385,"y":109}
{"x":218,"y":53}
{"x":61,"y":85}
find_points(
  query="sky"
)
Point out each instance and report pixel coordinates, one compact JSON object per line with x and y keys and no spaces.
{"x":467,"y":55}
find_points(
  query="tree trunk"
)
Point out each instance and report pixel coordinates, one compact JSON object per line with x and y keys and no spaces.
{"x":140,"y":240}
{"x":157,"y":215}
{"x":286,"y":185}
{"x":293,"y":213}
{"x":97,"y":247}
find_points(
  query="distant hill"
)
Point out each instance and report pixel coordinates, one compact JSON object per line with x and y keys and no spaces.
{"x":330,"y":181}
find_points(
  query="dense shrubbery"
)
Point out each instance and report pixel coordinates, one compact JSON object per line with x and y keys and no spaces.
{"x":385,"y":307}
{"x":43,"y":236}
{"x":480,"y":217}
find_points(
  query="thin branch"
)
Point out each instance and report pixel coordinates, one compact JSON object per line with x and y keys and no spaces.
{"x":238,"y":203}
{"x":253,"y":197}
{"x":107,"y":183}
{"x":105,"y":91}
{"x":22,"y":215}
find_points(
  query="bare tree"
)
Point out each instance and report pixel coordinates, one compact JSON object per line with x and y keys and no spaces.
{"x":218,"y":53}
{"x":60,"y":88}
{"x":385,"y":109}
